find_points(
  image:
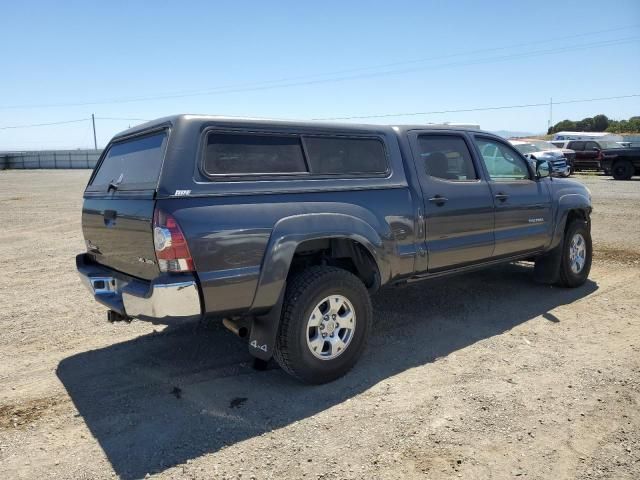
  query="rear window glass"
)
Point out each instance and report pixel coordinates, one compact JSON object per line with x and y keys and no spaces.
{"x":331,"y":155}
{"x":238,"y":154}
{"x":132,"y":165}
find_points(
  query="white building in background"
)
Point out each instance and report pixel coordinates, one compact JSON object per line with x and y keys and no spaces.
{"x":471,"y":126}
{"x":604,"y":136}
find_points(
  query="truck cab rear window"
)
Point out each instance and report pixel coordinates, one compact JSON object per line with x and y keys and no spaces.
{"x":256,"y":154}
{"x":132,"y":164}
{"x":336,"y":155}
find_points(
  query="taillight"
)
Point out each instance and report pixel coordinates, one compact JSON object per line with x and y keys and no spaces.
{"x":171,"y":247}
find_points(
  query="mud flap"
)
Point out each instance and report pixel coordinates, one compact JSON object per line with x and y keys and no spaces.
{"x":547,"y":267}
{"x":264,"y":331}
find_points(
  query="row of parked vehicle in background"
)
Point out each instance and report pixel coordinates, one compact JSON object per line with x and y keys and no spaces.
{"x":601,"y":151}
{"x":576,"y":151}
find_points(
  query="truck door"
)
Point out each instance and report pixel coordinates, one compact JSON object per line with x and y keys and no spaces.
{"x":522,"y":204}
{"x":591,"y":154}
{"x":458,"y":204}
{"x":578,"y":147}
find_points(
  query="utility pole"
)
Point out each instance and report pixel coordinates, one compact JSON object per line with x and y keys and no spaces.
{"x":93,"y":121}
{"x":550,"y":112}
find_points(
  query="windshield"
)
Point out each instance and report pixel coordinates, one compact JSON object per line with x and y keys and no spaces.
{"x":525,"y":148}
{"x":542,"y":145}
{"x":610,"y":145}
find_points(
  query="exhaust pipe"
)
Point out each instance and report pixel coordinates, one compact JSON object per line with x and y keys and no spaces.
{"x":240,"y":329}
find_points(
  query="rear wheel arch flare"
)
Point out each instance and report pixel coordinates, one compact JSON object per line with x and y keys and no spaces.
{"x":344,"y":252}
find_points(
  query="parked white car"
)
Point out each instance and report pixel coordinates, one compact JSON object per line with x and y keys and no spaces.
{"x":555,"y":156}
{"x":569,"y":155}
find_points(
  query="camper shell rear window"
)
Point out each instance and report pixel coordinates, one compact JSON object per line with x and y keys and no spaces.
{"x":131,"y":164}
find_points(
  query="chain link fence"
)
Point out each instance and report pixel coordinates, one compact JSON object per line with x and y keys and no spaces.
{"x":49,"y":159}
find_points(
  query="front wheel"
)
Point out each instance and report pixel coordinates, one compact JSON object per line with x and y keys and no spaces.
{"x":325,"y":323}
{"x":622,"y":170}
{"x":576,"y":255}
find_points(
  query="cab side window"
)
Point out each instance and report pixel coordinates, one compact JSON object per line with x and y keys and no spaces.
{"x":446,"y":157}
{"x":578,"y":146}
{"x":590,"y":146}
{"x":502,"y":162}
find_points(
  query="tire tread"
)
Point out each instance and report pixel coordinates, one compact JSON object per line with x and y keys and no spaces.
{"x":296,"y":287}
{"x":565,"y":275}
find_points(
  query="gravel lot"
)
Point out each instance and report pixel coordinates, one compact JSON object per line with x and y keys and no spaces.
{"x":481,"y":376}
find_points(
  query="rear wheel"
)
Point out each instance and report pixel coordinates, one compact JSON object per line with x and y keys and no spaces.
{"x":622,"y":170}
{"x":575,"y":263}
{"x":325,"y":323}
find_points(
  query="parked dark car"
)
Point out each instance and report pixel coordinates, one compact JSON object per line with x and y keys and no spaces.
{"x":284,"y":229}
{"x":620,"y":162}
{"x":587,"y":152}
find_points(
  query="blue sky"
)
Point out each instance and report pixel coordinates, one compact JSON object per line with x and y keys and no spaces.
{"x":296,"y":59}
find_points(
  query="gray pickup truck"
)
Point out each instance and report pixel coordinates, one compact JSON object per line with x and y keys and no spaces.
{"x":283,"y":230}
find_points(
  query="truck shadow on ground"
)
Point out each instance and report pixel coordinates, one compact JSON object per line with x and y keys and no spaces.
{"x":159,"y":400}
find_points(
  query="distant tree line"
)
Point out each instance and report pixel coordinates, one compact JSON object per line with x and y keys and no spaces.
{"x":599,"y":123}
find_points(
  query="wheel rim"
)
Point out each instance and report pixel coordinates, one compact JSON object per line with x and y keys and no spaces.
{"x":330,"y":327}
{"x":577,"y":253}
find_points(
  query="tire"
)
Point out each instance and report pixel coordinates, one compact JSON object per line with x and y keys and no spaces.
{"x":622,"y":170}
{"x":577,"y":239}
{"x":296,"y":335}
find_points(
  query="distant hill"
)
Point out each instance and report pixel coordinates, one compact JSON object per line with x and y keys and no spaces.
{"x":509,"y":133}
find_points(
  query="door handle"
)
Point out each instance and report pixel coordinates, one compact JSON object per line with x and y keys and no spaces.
{"x":502,"y":196}
{"x":438,"y":200}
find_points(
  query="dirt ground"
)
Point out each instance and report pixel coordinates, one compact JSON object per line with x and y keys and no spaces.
{"x":483,"y":376}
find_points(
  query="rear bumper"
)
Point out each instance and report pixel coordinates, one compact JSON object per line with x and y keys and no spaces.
{"x":164,"y":298}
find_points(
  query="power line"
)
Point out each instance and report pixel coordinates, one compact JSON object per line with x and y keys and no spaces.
{"x":123,"y":118}
{"x":271,"y":84}
{"x":381,"y":115}
{"x":45,"y":124}
{"x":479,"y":109}
{"x":384,"y":65}
{"x":70,"y":121}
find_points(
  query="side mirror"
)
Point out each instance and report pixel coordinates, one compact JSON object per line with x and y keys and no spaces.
{"x":543,"y":169}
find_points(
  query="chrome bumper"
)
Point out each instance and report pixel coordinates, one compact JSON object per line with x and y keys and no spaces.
{"x":562,"y":169}
{"x":135,"y":298}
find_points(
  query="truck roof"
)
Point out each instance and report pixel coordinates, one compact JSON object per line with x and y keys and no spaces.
{"x":261,"y":122}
